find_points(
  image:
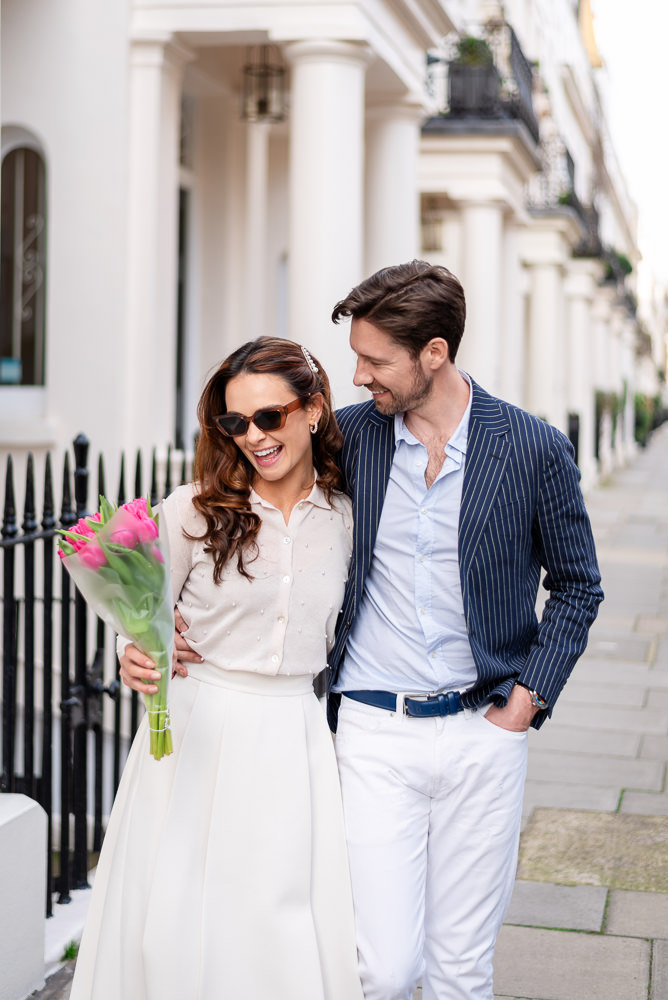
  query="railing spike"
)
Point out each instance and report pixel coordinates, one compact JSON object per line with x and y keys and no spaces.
{"x":138,"y":475}
{"x":168,"y":471}
{"x":154,"y":497}
{"x":67,"y":513}
{"x":48,"y":513}
{"x":121,"y":481}
{"x":29,"y":513}
{"x":101,"y":491}
{"x":9,"y":526}
{"x":81,"y":474}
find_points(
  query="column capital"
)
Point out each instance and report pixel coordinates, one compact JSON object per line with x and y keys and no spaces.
{"x":159,"y":49}
{"x":404,"y":109}
{"x":582,"y":276}
{"x":327,"y":50}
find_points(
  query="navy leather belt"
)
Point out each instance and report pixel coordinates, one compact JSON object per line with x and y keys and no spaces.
{"x":416,"y":706}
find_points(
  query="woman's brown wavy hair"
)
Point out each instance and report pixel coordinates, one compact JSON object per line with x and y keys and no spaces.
{"x":223,"y":473}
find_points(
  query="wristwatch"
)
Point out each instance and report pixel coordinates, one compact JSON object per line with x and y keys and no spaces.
{"x":536,"y":699}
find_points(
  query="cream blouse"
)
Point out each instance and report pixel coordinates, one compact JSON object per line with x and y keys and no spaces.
{"x":282,"y":620}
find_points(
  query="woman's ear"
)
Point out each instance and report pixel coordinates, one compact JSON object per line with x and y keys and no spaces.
{"x":314,"y":407}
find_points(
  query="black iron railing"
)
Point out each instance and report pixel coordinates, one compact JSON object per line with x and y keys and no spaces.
{"x":49,"y":635}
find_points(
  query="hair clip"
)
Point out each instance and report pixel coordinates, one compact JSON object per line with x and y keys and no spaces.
{"x":309,"y":361}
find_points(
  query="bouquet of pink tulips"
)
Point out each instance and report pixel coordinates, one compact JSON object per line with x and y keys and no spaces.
{"x":117,"y":562}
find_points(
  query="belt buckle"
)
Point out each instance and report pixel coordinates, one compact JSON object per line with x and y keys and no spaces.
{"x":417,"y":696}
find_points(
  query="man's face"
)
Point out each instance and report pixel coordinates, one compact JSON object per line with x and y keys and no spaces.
{"x":396,"y":380}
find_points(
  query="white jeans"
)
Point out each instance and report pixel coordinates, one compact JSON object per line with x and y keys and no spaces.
{"x":432,"y":810}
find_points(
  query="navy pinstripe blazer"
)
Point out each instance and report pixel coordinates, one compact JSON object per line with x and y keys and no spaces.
{"x":522,"y":511}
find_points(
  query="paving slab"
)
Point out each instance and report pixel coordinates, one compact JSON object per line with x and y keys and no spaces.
{"x":653,"y":624}
{"x":657,"y":697}
{"x":644,"y":804}
{"x":637,"y":914}
{"x":604,"y":772}
{"x":613,"y":719}
{"x":621,"y":648}
{"x":561,"y":796}
{"x":569,"y":907}
{"x":655,"y":747}
{"x":616,"y":695}
{"x":554,"y":736}
{"x":659,"y":989}
{"x":58,"y":985}
{"x":563,"y":965}
{"x":591,"y":848}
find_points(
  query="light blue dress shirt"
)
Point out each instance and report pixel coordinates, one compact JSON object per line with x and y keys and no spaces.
{"x":410,"y":632}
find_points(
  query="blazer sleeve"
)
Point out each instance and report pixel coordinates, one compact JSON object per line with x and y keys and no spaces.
{"x":565,"y":544}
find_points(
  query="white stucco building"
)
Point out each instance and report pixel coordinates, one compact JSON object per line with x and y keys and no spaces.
{"x":160,"y":229}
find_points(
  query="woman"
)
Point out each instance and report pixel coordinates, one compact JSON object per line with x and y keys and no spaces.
{"x":223,"y":872}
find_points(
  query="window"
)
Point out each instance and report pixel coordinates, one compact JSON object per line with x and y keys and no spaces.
{"x":22,"y":267}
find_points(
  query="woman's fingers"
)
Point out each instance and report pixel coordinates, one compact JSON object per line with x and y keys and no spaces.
{"x":138,"y":671}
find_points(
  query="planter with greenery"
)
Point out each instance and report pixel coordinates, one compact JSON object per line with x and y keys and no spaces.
{"x":474,"y":83}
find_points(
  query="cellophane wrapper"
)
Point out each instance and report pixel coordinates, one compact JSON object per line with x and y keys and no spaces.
{"x":126,"y":581}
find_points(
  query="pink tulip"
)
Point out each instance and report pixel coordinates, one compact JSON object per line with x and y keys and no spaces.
{"x":126,"y":537}
{"x":91,"y":556}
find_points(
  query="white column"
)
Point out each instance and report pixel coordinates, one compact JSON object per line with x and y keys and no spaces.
{"x":482,"y":267}
{"x":580,"y":288}
{"x":512,"y":359}
{"x":392,"y":201}
{"x":255,"y":276}
{"x":156,"y":70}
{"x":545,"y":349}
{"x":326,"y":196}
{"x":602,"y":315}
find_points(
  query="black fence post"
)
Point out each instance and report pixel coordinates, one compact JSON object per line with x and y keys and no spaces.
{"x":9,"y":636}
{"x":80,"y":872}
{"x":46,"y":789}
{"x":29,"y":528}
{"x":67,"y":702}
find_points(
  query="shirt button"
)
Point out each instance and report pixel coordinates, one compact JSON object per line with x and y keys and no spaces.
{"x":423,"y":510}
{"x":281,"y":619}
{"x":287,"y":540}
{"x":423,"y":611}
{"x":274,"y":658}
{"x":420,"y":558}
{"x":286,"y":579}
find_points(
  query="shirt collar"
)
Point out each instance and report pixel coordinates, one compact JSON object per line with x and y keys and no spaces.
{"x":459,"y":439}
{"x":316,"y":497}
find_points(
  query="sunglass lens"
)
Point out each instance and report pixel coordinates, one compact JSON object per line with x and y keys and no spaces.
{"x":269,"y":420}
{"x":232,"y":424}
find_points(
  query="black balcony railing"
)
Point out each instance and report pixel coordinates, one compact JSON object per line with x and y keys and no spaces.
{"x":498,"y":85}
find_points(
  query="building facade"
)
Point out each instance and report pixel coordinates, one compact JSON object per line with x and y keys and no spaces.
{"x":160,"y":207}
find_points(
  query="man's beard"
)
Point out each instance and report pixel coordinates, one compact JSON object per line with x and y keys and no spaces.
{"x":401,"y":402}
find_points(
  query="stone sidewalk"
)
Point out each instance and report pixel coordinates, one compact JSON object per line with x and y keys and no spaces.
{"x":589,"y":916}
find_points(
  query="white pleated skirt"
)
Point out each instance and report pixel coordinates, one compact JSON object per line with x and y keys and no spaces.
{"x":223,"y":873}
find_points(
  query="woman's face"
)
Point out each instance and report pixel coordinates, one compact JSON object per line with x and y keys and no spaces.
{"x":283,"y":454}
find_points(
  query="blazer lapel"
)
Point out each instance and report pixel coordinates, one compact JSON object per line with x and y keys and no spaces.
{"x":375,"y":451}
{"x":487,"y":453}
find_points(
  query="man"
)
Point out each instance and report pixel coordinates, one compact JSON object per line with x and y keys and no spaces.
{"x":440,"y":664}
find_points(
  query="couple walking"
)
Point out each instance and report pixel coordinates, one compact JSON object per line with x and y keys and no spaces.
{"x":399,"y":545}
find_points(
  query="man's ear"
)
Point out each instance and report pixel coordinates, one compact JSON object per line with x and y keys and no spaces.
{"x":435,"y":353}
